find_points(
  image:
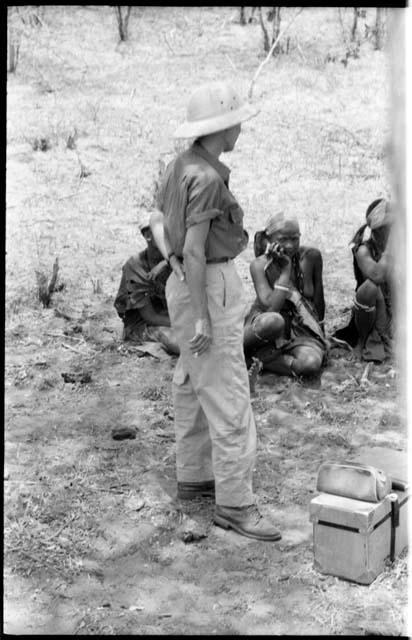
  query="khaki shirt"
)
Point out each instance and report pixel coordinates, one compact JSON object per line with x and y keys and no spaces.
{"x":196,"y":188}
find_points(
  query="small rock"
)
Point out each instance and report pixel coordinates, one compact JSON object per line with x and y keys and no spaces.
{"x":42,"y":364}
{"x":82,"y":377}
{"x":123,"y":433}
{"x":192,"y":536}
{"x":135,"y":503}
{"x":283,"y":577}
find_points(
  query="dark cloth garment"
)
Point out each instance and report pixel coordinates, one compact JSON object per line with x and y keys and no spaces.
{"x":195,"y":189}
{"x":301,"y":323}
{"x":378,"y":342}
{"x":137,"y":288}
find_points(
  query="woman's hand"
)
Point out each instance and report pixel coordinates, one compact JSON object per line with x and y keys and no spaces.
{"x":275,"y":254}
{"x":158,"y":268}
{"x":202,"y":338}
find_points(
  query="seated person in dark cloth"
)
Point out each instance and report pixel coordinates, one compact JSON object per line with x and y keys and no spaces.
{"x":370,"y":325}
{"x":141,"y":300}
{"x":284,"y":327}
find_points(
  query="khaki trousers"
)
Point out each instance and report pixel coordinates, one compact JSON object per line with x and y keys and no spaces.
{"x":214,"y":423}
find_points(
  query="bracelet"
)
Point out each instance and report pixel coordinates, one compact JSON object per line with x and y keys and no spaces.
{"x":170,"y":255}
{"x":281,"y":287}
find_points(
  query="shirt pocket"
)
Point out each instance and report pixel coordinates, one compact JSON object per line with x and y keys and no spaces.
{"x":235,"y":214}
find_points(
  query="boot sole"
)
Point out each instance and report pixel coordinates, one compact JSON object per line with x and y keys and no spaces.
{"x":193,"y":496}
{"x":227,"y":524}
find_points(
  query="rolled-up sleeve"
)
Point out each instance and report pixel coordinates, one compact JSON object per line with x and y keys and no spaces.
{"x":204,"y":201}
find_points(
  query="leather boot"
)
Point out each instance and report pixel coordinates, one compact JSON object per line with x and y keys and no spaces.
{"x":191,"y":490}
{"x":247,"y":521}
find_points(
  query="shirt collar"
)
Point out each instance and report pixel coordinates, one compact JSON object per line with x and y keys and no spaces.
{"x":221,"y":168}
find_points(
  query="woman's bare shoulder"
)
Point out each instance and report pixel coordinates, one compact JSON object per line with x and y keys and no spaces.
{"x":310,"y":253}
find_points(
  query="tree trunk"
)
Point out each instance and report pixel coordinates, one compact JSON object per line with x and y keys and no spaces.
{"x":13,"y":40}
{"x":354,"y":24}
{"x":13,"y":56}
{"x":266,"y":43}
{"x":123,"y":22}
{"x":379,"y":28}
{"x":242,"y":19}
{"x":276,"y":28}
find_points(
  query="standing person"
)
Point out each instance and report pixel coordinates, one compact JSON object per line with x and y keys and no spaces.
{"x":200,"y":228}
{"x":284,"y":326}
{"x":370,"y":325}
{"x":141,"y":299}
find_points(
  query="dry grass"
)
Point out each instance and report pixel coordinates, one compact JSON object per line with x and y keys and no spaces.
{"x":317,"y":145}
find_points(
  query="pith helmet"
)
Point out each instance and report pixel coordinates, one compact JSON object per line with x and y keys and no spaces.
{"x":213,"y":107}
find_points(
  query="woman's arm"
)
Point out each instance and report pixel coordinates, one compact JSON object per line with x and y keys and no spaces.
{"x":271,"y":299}
{"x":378,"y":272}
{"x":315,"y":258}
{"x":162,"y":241}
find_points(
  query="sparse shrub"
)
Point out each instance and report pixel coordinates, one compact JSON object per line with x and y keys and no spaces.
{"x":71,"y":139}
{"x":97,"y":288}
{"x":152,"y":392}
{"x":46,"y":287}
{"x":41,"y":144}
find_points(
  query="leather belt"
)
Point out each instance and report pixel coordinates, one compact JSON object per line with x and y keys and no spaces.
{"x":217,"y":260}
{"x":211,"y":260}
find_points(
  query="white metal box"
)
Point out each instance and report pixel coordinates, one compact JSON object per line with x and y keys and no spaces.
{"x":352,"y":538}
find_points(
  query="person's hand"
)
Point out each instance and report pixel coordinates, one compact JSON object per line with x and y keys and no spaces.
{"x":158,"y":268}
{"x":202,"y":338}
{"x":261,"y":261}
{"x":276,"y":253}
{"x":177,"y":267}
{"x":285,"y":263}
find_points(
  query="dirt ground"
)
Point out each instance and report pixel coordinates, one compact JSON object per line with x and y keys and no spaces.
{"x":95,"y":540}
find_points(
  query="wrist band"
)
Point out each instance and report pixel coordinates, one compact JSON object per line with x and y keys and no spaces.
{"x":170,"y":255}
{"x":281,"y":287}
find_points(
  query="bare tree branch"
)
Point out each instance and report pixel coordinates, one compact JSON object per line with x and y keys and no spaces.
{"x":272,"y":48}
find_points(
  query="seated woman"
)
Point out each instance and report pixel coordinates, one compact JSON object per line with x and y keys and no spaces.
{"x":141,"y":298}
{"x":370,"y":324}
{"x":284,"y":327}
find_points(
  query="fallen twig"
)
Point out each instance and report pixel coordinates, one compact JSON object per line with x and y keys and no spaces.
{"x":58,"y":532}
{"x":69,"y":195}
{"x":231,"y":62}
{"x":23,"y":481}
{"x":23,"y":552}
{"x":67,"y":346}
{"x":364,"y":377}
{"x":107,"y":186}
{"x":168,"y":44}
